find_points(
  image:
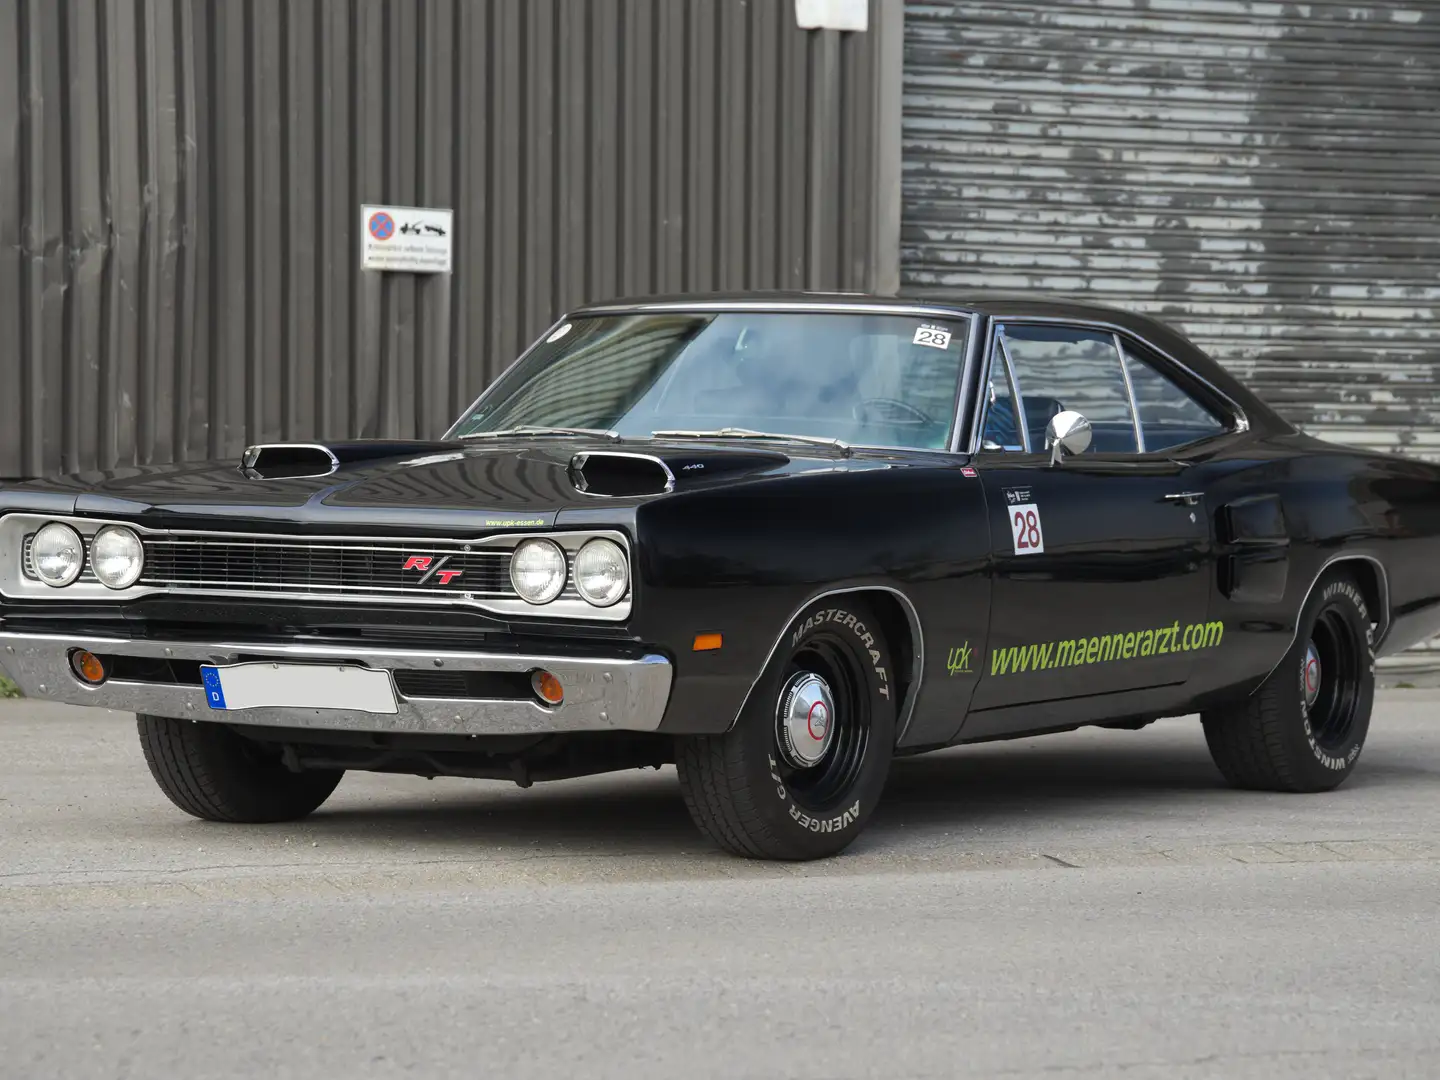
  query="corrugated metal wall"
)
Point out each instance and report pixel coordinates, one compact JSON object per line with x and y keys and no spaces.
{"x":1266,"y":175}
{"x":180,"y":184}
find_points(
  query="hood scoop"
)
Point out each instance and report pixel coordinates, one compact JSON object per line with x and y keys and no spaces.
{"x":275,"y":461}
{"x":619,"y":473}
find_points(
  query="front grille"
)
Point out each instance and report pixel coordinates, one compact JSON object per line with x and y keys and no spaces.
{"x":318,"y":566}
{"x":315,"y":566}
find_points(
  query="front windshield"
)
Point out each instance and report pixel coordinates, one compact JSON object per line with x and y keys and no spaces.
{"x":864,"y":378}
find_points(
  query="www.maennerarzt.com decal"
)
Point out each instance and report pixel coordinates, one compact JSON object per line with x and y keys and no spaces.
{"x":1130,"y":645}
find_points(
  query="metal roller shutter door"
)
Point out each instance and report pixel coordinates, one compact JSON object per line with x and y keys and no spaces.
{"x":1264,"y":175}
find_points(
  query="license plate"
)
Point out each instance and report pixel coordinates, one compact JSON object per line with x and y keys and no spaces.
{"x":298,"y":686}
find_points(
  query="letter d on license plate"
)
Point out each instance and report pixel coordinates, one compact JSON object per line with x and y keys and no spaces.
{"x":298,"y":686}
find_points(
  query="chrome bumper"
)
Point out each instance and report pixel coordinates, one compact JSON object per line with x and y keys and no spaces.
{"x":600,"y":694}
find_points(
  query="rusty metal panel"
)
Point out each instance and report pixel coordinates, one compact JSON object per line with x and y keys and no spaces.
{"x":1266,"y":175}
{"x":180,"y":184}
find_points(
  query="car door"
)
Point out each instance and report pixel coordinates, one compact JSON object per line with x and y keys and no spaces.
{"x":1102,"y":562}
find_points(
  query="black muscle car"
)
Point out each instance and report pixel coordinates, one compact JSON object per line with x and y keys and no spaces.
{"x":775,"y":540}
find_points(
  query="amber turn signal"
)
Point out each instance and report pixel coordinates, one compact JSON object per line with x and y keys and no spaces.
{"x":547,"y":688}
{"x":88,"y":667}
{"x":706,"y":642}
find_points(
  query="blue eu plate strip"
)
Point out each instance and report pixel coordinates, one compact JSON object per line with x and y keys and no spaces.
{"x":214,"y":693}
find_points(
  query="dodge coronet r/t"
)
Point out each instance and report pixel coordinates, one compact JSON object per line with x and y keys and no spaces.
{"x":775,"y":540}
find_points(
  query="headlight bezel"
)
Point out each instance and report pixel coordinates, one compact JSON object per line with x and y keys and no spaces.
{"x":557,"y":584}
{"x":600,"y":543}
{"x":94,"y":559}
{"x":79,"y":566}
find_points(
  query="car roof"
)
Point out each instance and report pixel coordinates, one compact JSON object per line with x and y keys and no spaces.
{"x":1020,"y":305}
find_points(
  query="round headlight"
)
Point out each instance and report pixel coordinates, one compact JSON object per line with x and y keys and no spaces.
{"x":58,"y":554}
{"x":116,"y":557}
{"x":601,"y":575}
{"x":537,"y":570}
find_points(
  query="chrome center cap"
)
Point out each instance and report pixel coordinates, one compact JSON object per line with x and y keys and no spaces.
{"x":1310,"y":675}
{"x":805,"y":719}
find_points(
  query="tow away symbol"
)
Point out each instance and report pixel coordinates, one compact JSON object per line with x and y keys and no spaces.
{"x":432,"y":567}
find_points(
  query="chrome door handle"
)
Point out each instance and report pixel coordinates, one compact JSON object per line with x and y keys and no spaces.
{"x":1185,"y":498}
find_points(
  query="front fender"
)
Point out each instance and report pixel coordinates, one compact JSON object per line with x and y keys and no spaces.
{"x":744,"y":560}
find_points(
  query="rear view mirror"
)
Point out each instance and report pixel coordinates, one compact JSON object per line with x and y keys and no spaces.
{"x":1067,"y":431}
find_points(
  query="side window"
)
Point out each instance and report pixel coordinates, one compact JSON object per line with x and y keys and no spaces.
{"x":1168,"y":415}
{"x":1066,"y":368}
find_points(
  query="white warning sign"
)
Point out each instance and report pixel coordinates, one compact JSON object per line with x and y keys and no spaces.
{"x":410,"y":239}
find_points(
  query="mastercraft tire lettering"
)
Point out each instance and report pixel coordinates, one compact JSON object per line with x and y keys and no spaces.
{"x":801,"y":771}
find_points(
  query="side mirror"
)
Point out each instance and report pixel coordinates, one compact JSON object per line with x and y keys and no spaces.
{"x":1067,"y":431}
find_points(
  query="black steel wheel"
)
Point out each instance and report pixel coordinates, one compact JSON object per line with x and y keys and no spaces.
{"x":1304,"y":728}
{"x":800,"y":773}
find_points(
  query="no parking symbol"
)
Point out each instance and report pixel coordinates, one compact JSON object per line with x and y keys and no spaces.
{"x":382,"y":225}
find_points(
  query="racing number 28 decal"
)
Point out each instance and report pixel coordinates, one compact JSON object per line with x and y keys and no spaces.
{"x":1025,"y":528}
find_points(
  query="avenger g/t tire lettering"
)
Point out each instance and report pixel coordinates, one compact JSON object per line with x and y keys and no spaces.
{"x":209,"y":771}
{"x":1303,"y":729}
{"x":799,"y":774}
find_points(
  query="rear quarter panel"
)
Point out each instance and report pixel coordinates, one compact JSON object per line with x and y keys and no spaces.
{"x":1334,"y":502}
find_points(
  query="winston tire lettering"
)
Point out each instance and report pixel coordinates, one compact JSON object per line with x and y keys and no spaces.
{"x":1130,"y":645}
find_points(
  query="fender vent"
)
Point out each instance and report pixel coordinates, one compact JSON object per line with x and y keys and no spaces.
{"x":614,"y":474}
{"x":277,"y":460}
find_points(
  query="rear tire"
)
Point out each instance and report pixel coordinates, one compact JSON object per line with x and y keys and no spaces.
{"x":1304,"y":728}
{"x":207,"y":770}
{"x":802,"y":770}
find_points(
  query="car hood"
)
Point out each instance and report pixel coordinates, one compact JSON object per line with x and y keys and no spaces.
{"x":531,"y":483}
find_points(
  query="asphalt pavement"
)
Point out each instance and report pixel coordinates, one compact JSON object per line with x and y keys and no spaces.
{"x":1086,"y":905}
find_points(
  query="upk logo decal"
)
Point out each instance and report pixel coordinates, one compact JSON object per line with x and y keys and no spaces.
{"x":958,"y":662}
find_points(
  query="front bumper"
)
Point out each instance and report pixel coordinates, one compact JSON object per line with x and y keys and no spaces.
{"x":600,"y":694}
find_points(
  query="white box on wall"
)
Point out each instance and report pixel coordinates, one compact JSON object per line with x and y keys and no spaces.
{"x":832,"y":14}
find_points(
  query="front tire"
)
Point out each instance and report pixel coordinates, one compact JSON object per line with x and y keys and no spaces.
{"x":207,"y":770}
{"x":1304,"y":728}
{"x":802,"y":770}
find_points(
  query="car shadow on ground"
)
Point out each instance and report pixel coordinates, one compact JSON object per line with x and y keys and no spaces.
{"x":1012,"y":789}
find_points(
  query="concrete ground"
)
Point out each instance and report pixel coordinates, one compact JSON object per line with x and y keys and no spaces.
{"x":1083,"y":905}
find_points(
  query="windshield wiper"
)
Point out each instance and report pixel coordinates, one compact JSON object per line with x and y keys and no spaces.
{"x":540,"y":429}
{"x":747,"y":433}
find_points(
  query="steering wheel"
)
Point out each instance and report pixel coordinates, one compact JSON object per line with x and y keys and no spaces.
{"x":918,"y":415}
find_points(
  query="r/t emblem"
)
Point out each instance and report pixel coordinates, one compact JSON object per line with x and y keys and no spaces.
{"x":432,"y":567}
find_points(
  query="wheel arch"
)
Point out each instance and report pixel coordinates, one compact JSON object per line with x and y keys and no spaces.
{"x":899,"y":622}
{"x":1374,"y":583}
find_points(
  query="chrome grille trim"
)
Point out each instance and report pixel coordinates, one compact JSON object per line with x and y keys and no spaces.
{"x":344,"y":569}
